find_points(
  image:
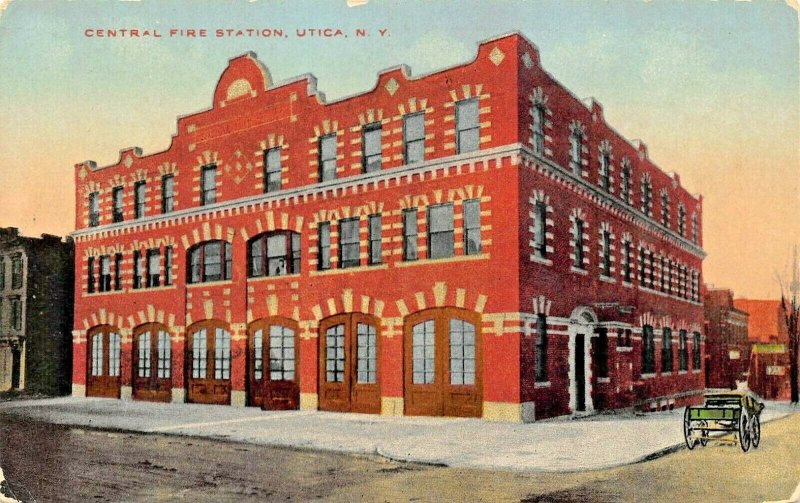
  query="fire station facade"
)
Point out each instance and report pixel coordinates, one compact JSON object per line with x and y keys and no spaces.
{"x":472,"y":242}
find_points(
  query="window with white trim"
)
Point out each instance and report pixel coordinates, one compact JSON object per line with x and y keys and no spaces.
{"x":537,"y":127}
{"x":577,"y":244}
{"x":139,"y":203}
{"x":116,"y":204}
{"x":605,"y":252}
{"x":625,"y":181}
{"x":209,"y":261}
{"x":440,"y":231}
{"x":349,"y":243}
{"x":208,"y":184}
{"x":371,"y":147}
{"x":272,"y":169}
{"x":665,"y":209}
{"x":467,"y":127}
{"x":414,"y":138}
{"x":605,"y":170}
{"x":472,"y":226}
{"x":324,"y":247}
{"x":410,"y":234}
{"x":94,"y":209}
{"x":681,"y":220}
{"x":575,"y":146}
{"x":374,"y":227}
{"x":540,"y":229}
{"x":327,"y":158}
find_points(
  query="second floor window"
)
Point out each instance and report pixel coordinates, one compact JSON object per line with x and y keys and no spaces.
{"x":116,"y":204}
{"x":324,"y":238}
{"x":16,"y":313}
{"x":16,"y":271}
{"x":167,"y":194}
{"x":371,"y":148}
{"x":117,"y":271}
{"x":577,"y":245}
{"x":105,"y":274}
{"x":648,"y":350}
{"x":349,"y":244}
{"x":209,"y":261}
{"x":467,"y":127}
{"x":605,"y":262}
{"x":94,"y":209}
{"x":414,"y":138}
{"x":472,"y":226}
{"x":410,"y":234}
{"x":602,"y":352}
{"x":327,"y":158}
{"x":440,"y":231}
{"x":696,"y":350}
{"x":138,"y":269}
{"x":272,"y":170}
{"x":90,"y":275}
{"x":208,"y":185}
{"x":153,"y":278}
{"x":168,"y":265}
{"x":274,"y":254}
{"x":138,"y":199}
{"x":374,"y":239}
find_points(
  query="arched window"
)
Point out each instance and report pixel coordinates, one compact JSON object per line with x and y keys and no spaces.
{"x":647,"y":196}
{"x":209,"y":261}
{"x":665,"y":209}
{"x":625,"y":181}
{"x":681,"y":220}
{"x":273,"y":254}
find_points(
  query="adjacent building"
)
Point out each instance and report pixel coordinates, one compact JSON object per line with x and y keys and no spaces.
{"x":727,"y":343}
{"x":769,"y":357}
{"x":36,"y":283}
{"x":472,"y":242}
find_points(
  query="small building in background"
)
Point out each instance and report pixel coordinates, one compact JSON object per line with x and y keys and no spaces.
{"x":727,"y":344}
{"x":769,"y":354}
{"x":36,"y":303}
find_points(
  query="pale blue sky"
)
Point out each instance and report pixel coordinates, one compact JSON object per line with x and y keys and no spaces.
{"x":711,"y":87}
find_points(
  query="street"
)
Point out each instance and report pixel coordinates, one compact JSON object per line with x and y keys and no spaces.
{"x":62,"y":463}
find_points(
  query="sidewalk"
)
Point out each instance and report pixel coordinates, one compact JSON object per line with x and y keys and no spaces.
{"x":556,"y":445}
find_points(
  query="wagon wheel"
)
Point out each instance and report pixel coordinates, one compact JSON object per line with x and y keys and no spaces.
{"x":755,"y":431}
{"x":704,"y":434}
{"x":744,"y":432}
{"x":688,"y":433}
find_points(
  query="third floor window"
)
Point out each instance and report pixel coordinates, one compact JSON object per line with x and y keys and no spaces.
{"x":116,"y":204}
{"x":414,"y":138}
{"x":537,"y":128}
{"x":167,"y":193}
{"x":94,"y":209}
{"x":371,"y":148}
{"x":272,"y":170}
{"x":16,"y":271}
{"x":327,"y":158}
{"x":139,"y":199}
{"x":208,"y":185}
{"x":467,"y":127}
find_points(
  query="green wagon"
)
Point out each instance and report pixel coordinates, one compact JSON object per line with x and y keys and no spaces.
{"x":728,"y":416}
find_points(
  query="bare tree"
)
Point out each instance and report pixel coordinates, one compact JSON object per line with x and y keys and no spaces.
{"x":789,"y":309}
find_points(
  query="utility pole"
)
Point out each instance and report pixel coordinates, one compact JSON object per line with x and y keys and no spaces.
{"x":791,"y":315}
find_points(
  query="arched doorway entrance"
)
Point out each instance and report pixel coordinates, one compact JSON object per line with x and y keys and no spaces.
{"x":152,"y":363}
{"x":349,"y":377}
{"x":272,"y":363}
{"x":208,"y":361}
{"x":103,"y":362}
{"x":443,"y":363}
{"x":581,"y":328}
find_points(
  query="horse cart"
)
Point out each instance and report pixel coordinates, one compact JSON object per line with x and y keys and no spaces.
{"x":727,"y":416}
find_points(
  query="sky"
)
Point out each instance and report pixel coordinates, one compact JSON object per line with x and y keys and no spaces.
{"x":711,"y":87}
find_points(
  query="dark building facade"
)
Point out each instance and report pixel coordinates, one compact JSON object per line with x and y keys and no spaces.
{"x":727,"y":345}
{"x":36,"y":303}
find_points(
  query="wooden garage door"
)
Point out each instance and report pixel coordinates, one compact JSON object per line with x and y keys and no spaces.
{"x":103,"y":363}
{"x":348,"y":364}
{"x":209,"y":364}
{"x":272,"y":361}
{"x":152,"y":361}
{"x":443,"y":375}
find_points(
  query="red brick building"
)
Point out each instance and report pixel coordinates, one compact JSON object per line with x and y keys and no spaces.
{"x":472,"y":242}
{"x":727,"y":344}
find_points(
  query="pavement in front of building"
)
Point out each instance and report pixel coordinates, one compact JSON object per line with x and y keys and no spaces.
{"x":562,"y":444}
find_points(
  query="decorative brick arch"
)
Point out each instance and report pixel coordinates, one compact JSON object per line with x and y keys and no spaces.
{"x":271,"y":221}
{"x":205,"y":232}
{"x":441,"y":296}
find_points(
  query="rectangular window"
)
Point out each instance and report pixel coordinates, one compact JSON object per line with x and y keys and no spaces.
{"x":462,"y":352}
{"x":423,"y":347}
{"x":467,"y":127}
{"x":208,"y":185}
{"x":666,"y":350}
{"x":90,"y":275}
{"x":696,"y":350}
{"x":167,"y":266}
{"x":694,"y":228}
{"x":16,"y":271}
{"x":414,"y":138}
{"x":539,"y":232}
{"x":334,"y":354}
{"x":200,"y":354}
{"x":164,"y":355}
{"x":105,"y":273}
{"x":137,"y":269}
{"x":371,"y":148}
{"x":537,"y":128}
{"x":602,"y":352}
{"x":366,"y":354}
{"x":139,"y":199}
{"x":212,"y":261}
{"x":349,"y":243}
{"x":577,"y":245}
{"x":575,"y":152}
{"x":627,"y":258}
{"x":681,"y":220}
{"x":648,"y":350}
{"x":116,"y":204}
{"x":605,"y":166}
{"x":440,"y":231}
{"x":117,"y":271}
{"x":272,"y":170}
{"x":222,"y":354}
{"x":94,"y":209}
{"x":153,"y":268}
{"x":327,"y":158}
{"x":683,"y":351}
{"x":625,"y":183}
{"x":541,"y":348}
{"x":167,"y":194}
{"x":605,"y":265}
{"x":642,"y":277}
{"x":16,"y":313}
{"x":472,"y":226}
{"x":281,"y":353}
{"x":324,"y":259}
{"x":410,"y":234}
{"x":374,"y":239}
